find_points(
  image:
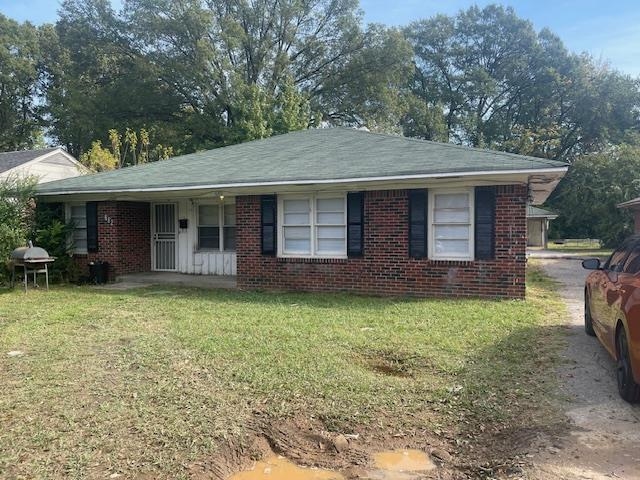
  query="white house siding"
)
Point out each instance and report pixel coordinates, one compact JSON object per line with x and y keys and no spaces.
{"x":536,"y":232}
{"x":190,"y":260}
{"x":50,"y":168}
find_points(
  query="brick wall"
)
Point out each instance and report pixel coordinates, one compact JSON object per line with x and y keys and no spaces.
{"x":124,"y":238}
{"x":385,"y":268}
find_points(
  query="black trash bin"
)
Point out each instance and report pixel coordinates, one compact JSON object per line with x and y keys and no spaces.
{"x":98,"y":272}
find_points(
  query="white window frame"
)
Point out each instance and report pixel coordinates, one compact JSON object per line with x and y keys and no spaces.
{"x":67,"y":214}
{"x":313,"y":198}
{"x":470,"y":192}
{"x":221,"y":226}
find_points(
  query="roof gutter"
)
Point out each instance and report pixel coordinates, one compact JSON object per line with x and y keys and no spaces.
{"x":556,"y":170}
{"x":630,"y":203}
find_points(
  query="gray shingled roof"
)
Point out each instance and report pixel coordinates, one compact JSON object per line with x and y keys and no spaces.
{"x":320,"y":155}
{"x":9,"y":160}
{"x":533,"y":212}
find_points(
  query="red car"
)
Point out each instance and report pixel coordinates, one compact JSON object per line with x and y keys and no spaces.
{"x":612,"y":311}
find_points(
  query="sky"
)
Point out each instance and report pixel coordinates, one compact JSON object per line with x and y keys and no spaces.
{"x":608,"y":30}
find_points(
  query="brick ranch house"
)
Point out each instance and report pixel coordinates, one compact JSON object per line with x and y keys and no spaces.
{"x":319,"y":210}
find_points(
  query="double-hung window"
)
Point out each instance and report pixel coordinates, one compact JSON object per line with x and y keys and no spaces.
{"x":451,"y":224}
{"x":77,"y":215}
{"x":313,"y":226}
{"x":217,"y":227}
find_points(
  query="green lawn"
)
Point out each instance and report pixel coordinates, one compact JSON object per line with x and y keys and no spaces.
{"x":151,"y":380}
{"x":584,"y":247}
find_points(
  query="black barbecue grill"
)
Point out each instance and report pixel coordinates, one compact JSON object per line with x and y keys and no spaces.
{"x":31,"y":260}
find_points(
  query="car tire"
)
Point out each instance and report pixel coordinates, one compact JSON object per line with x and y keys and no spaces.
{"x":627,"y":387}
{"x":588,"y":320}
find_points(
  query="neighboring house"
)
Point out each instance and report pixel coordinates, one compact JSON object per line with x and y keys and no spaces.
{"x":46,"y":165}
{"x":634,"y":206}
{"x":538,"y":226}
{"x":319,"y":210}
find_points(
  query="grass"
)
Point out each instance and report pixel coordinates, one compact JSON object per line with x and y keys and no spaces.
{"x":585,"y":247}
{"x":150,"y":380}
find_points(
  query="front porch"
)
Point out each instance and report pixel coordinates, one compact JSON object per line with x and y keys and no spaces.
{"x":181,"y":236}
{"x":148,"y":279}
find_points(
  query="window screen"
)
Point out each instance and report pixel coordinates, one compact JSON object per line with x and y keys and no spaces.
{"x":451,"y":225}
{"x":208,"y":227}
{"x":79,"y":220}
{"x":314,"y":226}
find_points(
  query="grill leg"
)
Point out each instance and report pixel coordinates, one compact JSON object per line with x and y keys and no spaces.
{"x":46,"y":275}
{"x":26,"y":279}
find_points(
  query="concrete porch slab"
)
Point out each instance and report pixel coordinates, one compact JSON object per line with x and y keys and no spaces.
{"x":147,"y":279}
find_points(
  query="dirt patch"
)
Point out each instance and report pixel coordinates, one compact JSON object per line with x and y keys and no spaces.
{"x":392,"y":362}
{"x":306,"y":443}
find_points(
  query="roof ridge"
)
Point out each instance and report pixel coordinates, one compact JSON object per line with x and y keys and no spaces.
{"x":33,"y":150}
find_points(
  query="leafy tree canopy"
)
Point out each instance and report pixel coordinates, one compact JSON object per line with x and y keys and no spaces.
{"x":588,"y":197}
{"x":205,"y":74}
{"x":20,"y":71}
{"x":502,"y":85}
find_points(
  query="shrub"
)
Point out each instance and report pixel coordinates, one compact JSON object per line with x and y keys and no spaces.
{"x":17,"y":208}
{"x":53,"y":234}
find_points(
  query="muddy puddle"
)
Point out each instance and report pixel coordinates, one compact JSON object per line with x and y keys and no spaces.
{"x":399,"y":465}
{"x":279,"y":468}
{"x":388,"y":465}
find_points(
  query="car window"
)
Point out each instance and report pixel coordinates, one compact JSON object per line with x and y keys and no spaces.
{"x":618,"y":257}
{"x":632,"y":265}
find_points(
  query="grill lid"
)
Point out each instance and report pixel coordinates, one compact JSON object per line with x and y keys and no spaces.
{"x":29,"y":253}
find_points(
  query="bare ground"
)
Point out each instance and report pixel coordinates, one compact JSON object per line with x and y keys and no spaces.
{"x":604,"y":431}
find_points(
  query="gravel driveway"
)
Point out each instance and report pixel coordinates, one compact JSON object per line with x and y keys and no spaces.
{"x":605,"y":434}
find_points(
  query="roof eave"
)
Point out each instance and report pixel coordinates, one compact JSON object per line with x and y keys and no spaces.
{"x":633,"y":204}
{"x":555,"y":172}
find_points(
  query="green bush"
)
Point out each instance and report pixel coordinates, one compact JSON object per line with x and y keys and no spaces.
{"x":17,"y":208}
{"x":52,"y":233}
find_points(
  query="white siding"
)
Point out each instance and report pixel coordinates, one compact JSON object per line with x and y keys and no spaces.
{"x":190,"y":260}
{"x":535,"y":232}
{"x":54,"y":167}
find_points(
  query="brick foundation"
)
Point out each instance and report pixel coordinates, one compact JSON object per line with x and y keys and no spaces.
{"x":124,"y":239}
{"x":385,"y":268}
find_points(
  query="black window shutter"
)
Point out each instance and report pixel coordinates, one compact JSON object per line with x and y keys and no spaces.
{"x":485,"y":218}
{"x":268,"y":220}
{"x":418,"y":223}
{"x":92,"y":226}
{"x":355,"y":224}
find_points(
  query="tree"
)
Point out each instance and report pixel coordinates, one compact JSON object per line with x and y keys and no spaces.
{"x":20,"y":71}
{"x":16,"y":214}
{"x":98,"y":158}
{"x":127,"y":149}
{"x":588,"y":196}
{"x":96,"y":81}
{"x":209,"y":73}
{"x":501,"y":85}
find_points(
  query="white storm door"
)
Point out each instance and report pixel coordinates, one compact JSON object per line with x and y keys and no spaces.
{"x":164,"y":248}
